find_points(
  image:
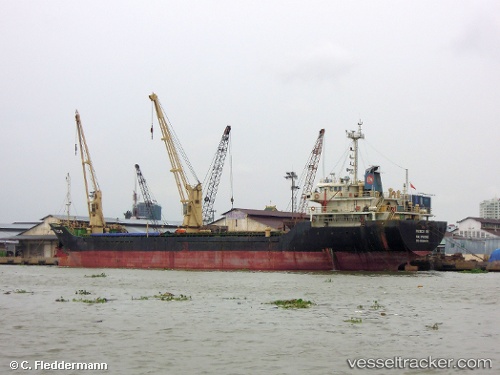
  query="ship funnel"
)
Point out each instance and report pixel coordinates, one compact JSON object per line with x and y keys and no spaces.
{"x":373,"y":180}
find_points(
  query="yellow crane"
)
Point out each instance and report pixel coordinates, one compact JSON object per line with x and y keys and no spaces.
{"x":191,"y":195}
{"x":94,"y":198}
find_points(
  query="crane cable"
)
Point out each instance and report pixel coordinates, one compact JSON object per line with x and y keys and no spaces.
{"x":176,"y":142}
{"x":152,"y":118}
{"x":231,"y":172}
{"x":76,"y":140}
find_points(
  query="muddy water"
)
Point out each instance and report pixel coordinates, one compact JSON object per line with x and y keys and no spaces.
{"x":228,"y":325}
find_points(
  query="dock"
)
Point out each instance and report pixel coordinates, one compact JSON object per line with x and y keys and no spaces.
{"x":456,"y":262}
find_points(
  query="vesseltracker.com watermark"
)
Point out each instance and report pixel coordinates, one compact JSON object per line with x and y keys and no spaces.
{"x":420,"y":363}
{"x":57,"y":365}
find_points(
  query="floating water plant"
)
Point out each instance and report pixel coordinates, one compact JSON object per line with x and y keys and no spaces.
{"x":376,"y":306}
{"x":474,"y":270}
{"x":98,"y":275}
{"x":354,"y":320}
{"x":91,"y":301}
{"x":164,"y":297}
{"x":435,"y":326}
{"x":170,"y":297}
{"x":293,"y":303}
{"x":21,"y":291}
{"x":83,"y":292}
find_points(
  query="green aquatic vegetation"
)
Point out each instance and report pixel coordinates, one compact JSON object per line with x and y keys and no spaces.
{"x":328,"y":280}
{"x":354,"y":320}
{"x":434,"y":327}
{"x":376,"y":306}
{"x":474,"y":270}
{"x":98,"y":275}
{"x":82,"y":292}
{"x":170,"y":297}
{"x":91,"y":301}
{"x":164,"y":297}
{"x":21,"y":291}
{"x":293,"y":303}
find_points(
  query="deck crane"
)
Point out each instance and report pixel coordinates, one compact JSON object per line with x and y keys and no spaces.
{"x":190,"y":195}
{"x":94,"y":198}
{"x":148,"y":201}
{"x":213,"y":185}
{"x":311,"y":168}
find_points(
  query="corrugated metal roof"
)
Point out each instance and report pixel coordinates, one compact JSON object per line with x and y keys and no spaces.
{"x":5,"y":234}
{"x":44,"y":237}
{"x":481,"y":220}
{"x":265,"y":213}
{"x":18,"y":225}
{"x":115,"y":220}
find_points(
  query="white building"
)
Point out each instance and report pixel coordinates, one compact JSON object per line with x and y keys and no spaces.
{"x":478,"y":228}
{"x":247,"y":220}
{"x":474,"y":235}
{"x":36,"y":243}
{"x":490,"y":209}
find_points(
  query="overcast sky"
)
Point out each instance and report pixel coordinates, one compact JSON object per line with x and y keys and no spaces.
{"x":423,"y":76}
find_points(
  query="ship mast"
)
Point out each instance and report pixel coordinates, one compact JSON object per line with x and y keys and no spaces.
{"x":68,"y":195}
{"x":354,"y":149}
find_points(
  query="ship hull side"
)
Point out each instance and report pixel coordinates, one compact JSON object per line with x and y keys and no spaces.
{"x":201,"y":260}
{"x":419,"y":237}
{"x":372,"y":261}
{"x":373,"y":246}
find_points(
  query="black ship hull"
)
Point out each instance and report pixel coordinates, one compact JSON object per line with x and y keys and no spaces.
{"x":373,"y":246}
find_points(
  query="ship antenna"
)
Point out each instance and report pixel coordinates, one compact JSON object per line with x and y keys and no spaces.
{"x":355,"y":136}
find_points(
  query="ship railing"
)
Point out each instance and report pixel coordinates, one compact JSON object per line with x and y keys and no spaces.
{"x":333,"y":215}
{"x":355,"y":194}
{"x":405,"y":210}
{"x":343,"y":217}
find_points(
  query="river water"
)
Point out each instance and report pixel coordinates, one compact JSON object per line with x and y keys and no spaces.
{"x":228,"y":324}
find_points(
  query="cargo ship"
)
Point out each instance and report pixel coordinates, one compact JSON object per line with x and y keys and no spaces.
{"x":351,"y":225}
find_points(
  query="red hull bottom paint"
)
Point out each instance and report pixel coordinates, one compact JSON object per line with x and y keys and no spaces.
{"x":240,"y":260}
{"x":374,"y":261}
{"x":201,"y":260}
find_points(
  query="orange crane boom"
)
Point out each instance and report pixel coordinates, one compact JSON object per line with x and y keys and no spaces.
{"x":190,"y":196}
{"x":94,"y":198}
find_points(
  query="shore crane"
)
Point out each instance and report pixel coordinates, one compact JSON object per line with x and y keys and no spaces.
{"x":190,"y":195}
{"x":215,"y":176}
{"x":148,"y":201}
{"x":94,"y":198}
{"x":311,"y":168}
